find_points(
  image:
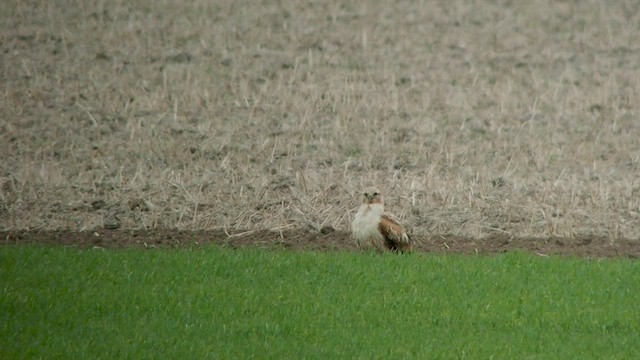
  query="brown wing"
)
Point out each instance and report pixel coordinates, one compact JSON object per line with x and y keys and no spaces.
{"x":395,"y":234}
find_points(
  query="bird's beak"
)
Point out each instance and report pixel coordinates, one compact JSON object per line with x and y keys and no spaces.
{"x":370,"y":197}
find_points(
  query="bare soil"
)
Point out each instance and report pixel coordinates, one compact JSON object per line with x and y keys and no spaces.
{"x":589,"y":247}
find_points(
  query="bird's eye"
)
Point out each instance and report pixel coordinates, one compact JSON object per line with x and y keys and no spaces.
{"x":376,"y":194}
{"x":365,"y":194}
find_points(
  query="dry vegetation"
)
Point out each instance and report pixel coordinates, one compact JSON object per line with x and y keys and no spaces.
{"x":475,"y":117}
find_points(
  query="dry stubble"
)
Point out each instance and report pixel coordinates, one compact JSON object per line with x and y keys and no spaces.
{"x":476,"y":118}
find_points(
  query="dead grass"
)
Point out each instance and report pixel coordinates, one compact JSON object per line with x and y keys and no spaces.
{"x":476,"y":118}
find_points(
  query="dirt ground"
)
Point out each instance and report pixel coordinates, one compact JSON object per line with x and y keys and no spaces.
{"x":486,"y":119}
{"x":326,"y":240}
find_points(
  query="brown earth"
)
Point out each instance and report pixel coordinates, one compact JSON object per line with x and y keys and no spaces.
{"x":327,"y":240}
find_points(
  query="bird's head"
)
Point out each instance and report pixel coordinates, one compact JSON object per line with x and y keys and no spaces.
{"x":372,"y":195}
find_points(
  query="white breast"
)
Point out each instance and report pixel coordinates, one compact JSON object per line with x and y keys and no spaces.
{"x":365,"y":226}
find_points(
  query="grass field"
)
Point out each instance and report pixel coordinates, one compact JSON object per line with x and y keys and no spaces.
{"x":58,"y":302}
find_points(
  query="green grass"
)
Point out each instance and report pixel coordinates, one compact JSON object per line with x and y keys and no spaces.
{"x":58,"y":302}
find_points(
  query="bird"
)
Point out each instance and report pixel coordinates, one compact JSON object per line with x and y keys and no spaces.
{"x":375,"y":229}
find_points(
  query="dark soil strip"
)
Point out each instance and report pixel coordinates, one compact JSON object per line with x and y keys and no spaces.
{"x":590,"y":247}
